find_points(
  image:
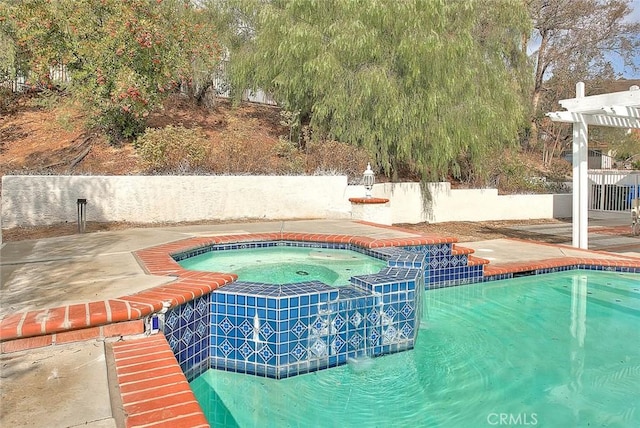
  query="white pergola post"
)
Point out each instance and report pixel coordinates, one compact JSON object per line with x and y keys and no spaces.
{"x":580,"y":159}
{"x":618,"y":110}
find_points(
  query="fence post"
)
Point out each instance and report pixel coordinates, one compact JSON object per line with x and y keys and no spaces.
{"x":603,"y":179}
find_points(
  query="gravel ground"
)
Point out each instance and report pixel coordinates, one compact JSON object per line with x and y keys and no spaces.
{"x":464,"y":231}
{"x":467,"y":231}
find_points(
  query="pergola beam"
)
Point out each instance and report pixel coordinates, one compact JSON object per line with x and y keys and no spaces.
{"x":595,"y":119}
{"x":630,"y":98}
{"x":622,"y":111}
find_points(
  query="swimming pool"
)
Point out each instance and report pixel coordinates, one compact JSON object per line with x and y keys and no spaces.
{"x":559,"y":349}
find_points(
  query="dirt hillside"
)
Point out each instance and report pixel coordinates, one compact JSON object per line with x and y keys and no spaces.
{"x":49,"y":139}
{"x":46,"y":136}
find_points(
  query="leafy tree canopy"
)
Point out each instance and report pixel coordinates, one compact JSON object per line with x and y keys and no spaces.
{"x":433,"y":85}
{"x":122,"y":57}
{"x":576,"y":41}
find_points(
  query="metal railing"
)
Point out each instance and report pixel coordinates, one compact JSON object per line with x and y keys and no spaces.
{"x":613,"y":190}
{"x":221,"y":84}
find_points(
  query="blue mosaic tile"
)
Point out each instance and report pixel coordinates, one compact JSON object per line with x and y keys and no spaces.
{"x":187,"y":330}
{"x":355,"y":341}
{"x":225,"y":348}
{"x":320,"y":327}
{"x":266,"y":330}
{"x":373,"y":317}
{"x":171,"y":320}
{"x":337,"y":345}
{"x":338,"y":322}
{"x":407,"y":330}
{"x":318,"y":348}
{"x":407,"y":310}
{"x":356,"y":319}
{"x":299,"y":352}
{"x":266,"y":354}
{"x":389,"y":335}
{"x":245,"y":350}
{"x":390,"y":312}
{"x":246,"y":328}
{"x":373,"y":337}
{"x":225,"y":325}
{"x":202,"y":329}
{"x":173,"y":342}
{"x":187,"y":334}
{"x":187,"y":311}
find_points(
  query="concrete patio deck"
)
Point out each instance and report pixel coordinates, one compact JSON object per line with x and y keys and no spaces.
{"x":73,"y":382}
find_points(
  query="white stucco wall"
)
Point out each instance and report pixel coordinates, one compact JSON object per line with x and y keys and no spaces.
{"x":43,"y":200}
{"x":39,"y":200}
{"x":447,"y":204}
{"x":373,"y":213}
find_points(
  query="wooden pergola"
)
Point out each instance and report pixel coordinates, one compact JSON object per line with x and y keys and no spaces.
{"x":615,"y":109}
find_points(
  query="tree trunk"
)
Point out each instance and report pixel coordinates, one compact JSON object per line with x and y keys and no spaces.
{"x":533,"y":133}
{"x":537,"y":88}
{"x":206,"y":96}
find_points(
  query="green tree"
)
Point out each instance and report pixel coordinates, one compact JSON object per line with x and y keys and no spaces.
{"x":7,"y":49}
{"x":122,"y":58}
{"x":430,"y":85}
{"x":12,"y":54}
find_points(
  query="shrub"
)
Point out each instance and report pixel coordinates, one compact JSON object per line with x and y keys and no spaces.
{"x":118,"y":125}
{"x":515,"y":176}
{"x":289,"y":159}
{"x":559,"y":170}
{"x":173,"y":147}
{"x":337,"y":158}
{"x":7,"y":100}
{"x":121,"y":59}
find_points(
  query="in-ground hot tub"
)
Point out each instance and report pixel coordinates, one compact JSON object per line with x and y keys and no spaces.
{"x":285,"y":329}
{"x":284,"y":264}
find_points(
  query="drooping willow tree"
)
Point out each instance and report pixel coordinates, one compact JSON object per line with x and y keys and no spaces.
{"x":435,"y":86}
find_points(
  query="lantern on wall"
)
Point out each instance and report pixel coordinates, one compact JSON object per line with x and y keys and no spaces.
{"x":368,"y":178}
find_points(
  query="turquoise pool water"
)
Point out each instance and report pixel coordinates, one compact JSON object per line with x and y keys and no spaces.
{"x":285,"y":264}
{"x":556,"y":350}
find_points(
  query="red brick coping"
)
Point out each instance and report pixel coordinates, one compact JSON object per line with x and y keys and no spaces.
{"x":368,"y":200}
{"x":154,"y":391}
{"x":123,"y":316}
{"x":559,"y":262}
{"x":112,"y":317}
{"x":104,"y":318}
{"x":589,"y":259}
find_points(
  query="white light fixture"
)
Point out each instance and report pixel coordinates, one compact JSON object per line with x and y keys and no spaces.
{"x":368,"y":178}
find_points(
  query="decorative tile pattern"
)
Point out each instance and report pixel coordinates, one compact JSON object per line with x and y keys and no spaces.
{"x":355,"y":319}
{"x":282,"y":331}
{"x":318,"y":347}
{"x":245,"y":350}
{"x":187,"y":329}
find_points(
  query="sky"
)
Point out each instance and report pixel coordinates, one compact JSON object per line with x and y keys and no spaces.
{"x":633,"y":17}
{"x":617,"y":63}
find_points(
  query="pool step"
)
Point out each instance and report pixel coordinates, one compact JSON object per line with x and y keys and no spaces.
{"x":452,"y":264}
